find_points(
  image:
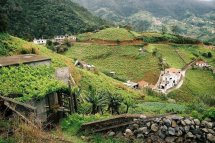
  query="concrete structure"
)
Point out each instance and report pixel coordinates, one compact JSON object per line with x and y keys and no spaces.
{"x":29,"y":59}
{"x":201,"y":64}
{"x":84,"y":65}
{"x":169,"y":79}
{"x":132,"y":84}
{"x":40,"y":41}
{"x":61,"y":38}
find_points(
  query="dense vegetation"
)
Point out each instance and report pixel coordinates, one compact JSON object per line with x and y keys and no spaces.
{"x":45,"y":18}
{"x":29,"y":82}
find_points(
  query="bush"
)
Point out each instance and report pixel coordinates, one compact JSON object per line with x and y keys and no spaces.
{"x":210,"y":114}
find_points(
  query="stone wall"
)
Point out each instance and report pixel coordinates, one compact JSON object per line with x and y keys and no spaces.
{"x":169,"y":129}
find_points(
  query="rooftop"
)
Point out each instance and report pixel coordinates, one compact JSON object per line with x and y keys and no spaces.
{"x":21,"y":59}
{"x":172,"y":70}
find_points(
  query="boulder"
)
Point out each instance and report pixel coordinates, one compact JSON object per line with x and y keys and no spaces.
{"x":170,"y":139}
{"x":197,"y":122}
{"x":190,"y":135}
{"x":142,"y":116}
{"x":148,"y":124}
{"x":209,"y":125}
{"x":110,"y":134}
{"x":128,"y":133}
{"x":167,"y":122}
{"x":174,"y":124}
{"x":187,"y":129}
{"x":161,"y":134}
{"x":140,"y":136}
{"x":211,"y":131}
{"x":142,"y":130}
{"x":188,"y":122}
{"x":205,"y":130}
{"x":154,"y":127}
{"x":211,"y":138}
{"x":171,"y":131}
{"x":135,"y":126}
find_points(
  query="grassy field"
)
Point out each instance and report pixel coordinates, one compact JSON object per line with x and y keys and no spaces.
{"x":109,"y":34}
{"x":126,"y":61}
{"x":197,"y":83}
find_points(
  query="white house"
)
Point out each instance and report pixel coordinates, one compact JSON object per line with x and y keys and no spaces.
{"x":169,"y":79}
{"x":201,"y":64}
{"x":61,"y":38}
{"x":39,"y":41}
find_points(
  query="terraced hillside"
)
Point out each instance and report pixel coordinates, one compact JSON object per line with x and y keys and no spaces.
{"x":11,"y":45}
{"x":130,"y":63}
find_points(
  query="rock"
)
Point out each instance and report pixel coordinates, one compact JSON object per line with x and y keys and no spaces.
{"x":179,"y":140}
{"x":187,"y":129}
{"x":110,"y":134}
{"x":135,"y":126}
{"x":197,"y":122}
{"x":171,"y":131}
{"x":161,"y":134}
{"x":135,"y":120}
{"x":142,"y":130}
{"x":170,"y":139}
{"x":148,"y":124}
{"x":174,"y":124}
{"x":179,"y":133}
{"x":209,"y":125}
{"x":167,"y":122}
{"x":164,"y":128}
{"x":187,"y":121}
{"x":205,"y":130}
{"x":142,"y":116}
{"x":154,"y":127}
{"x":183,"y":123}
{"x":211,"y":138}
{"x":128,"y":133}
{"x":190,"y":135}
{"x":211,"y":131}
{"x":140,"y":136}
{"x":157,"y":120}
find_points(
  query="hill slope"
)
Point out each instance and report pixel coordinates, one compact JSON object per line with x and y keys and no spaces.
{"x":29,"y":19}
{"x":194,"y":18}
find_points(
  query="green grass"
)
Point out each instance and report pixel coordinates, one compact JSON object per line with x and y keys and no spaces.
{"x":82,"y":77}
{"x":126,"y":61}
{"x":197,"y":83}
{"x":110,"y":34}
{"x":157,"y":108}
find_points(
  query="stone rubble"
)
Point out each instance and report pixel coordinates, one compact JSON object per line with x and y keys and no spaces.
{"x":171,"y":129}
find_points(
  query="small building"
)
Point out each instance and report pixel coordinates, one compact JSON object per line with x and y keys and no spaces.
{"x":132,"y":84}
{"x":143,"y":84}
{"x":201,"y":64}
{"x":40,"y":41}
{"x":61,"y":38}
{"x":29,"y":59}
{"x":84,"y":65}
{"x":169,"y":79}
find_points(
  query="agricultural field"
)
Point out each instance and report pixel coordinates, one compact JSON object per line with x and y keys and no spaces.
{"x":126,"y":61}
{"x":109,"y":34}
{"x":198,"y":84}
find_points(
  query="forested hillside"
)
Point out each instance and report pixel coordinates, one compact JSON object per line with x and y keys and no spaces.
{"x":45,"y":18}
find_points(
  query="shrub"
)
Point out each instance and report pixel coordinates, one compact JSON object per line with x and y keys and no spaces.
{"x":210,"y":114}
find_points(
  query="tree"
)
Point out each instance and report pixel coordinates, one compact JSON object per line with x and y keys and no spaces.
{"x":129,"y":102}
{"x":114,"y":104}
{"x":96,"y":99}
{"x":164,"y":29}
{"x":3,"y":17}
{"x":210,"y":55}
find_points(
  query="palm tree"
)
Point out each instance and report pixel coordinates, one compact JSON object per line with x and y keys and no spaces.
{"x":114,"y":103}
{"x":97,"y":100}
